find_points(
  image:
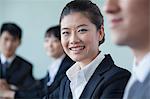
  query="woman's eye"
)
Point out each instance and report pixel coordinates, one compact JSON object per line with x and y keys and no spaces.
{"x":82,"y":30}
{"x":65,"y":33}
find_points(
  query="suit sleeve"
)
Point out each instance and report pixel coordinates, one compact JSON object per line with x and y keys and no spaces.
{"x":30,"y":88}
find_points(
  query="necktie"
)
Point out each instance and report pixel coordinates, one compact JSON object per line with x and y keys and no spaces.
{"x":133,"y":89}
{"x":4,"y":69}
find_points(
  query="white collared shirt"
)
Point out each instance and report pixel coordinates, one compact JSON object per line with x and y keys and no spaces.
{"x":79,"y":77}
{"x":53,"y":69}
{"x":139,"y":72}
{"x":9,"y":60}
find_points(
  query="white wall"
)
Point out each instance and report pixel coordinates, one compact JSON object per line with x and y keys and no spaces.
{"x":1,"y":14}
{"x":35,"y":16}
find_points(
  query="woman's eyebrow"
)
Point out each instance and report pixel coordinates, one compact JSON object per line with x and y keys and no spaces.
{"x":64,"y":28}
{"x":81,"y":25}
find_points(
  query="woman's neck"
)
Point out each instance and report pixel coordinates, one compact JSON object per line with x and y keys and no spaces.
{"x":85,"y":62}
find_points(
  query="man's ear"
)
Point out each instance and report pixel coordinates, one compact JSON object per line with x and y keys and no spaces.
{"x":101,"y":33}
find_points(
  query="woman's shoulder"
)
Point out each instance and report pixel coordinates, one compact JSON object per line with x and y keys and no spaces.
{"x":120,"y":72}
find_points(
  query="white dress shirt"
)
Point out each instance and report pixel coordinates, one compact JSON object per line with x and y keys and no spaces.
{"x":9,"y":60}
{"x":139,"y":72}
{"x":53,"y":69}
{"x":79,"y":77}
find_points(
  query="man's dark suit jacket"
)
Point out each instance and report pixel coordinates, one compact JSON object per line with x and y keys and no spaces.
{"x":107,"y":82}
{"x":19,"y":74}
{"x":53,"y":89}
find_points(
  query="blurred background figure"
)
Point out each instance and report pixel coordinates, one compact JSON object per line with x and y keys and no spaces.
{"x":15,"y":72}
{"x":130,"y":26}
{"x":61,"y":62}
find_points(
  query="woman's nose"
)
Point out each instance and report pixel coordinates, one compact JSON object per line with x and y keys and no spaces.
{"x":74,"y":39}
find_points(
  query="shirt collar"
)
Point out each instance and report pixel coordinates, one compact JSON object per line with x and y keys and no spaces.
{"x":88,"y":70}
{"x":58,"y":61}
{"x":9,"y":60}
{"x":141,"y":70}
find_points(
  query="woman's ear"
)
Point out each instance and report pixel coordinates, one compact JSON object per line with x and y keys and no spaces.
{"x":101,"y":33}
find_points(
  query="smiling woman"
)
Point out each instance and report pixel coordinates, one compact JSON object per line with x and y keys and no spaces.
{"x":80,"y":40}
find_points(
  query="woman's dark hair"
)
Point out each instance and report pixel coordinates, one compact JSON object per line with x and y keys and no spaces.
{"x":87,"y":8}
{"x":54,"y":30}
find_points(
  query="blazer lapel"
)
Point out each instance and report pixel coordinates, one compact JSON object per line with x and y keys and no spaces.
{"x":97,"y":77}
{"x":67,"y":91}
{"x":12,"y":68}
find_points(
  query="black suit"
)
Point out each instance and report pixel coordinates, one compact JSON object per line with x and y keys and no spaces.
{"x":53,"y":89}
{"x":19,"y":74}
{"x":107,"y":82}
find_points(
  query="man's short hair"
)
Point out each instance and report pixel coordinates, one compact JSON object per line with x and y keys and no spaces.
{"x":13,"y":30}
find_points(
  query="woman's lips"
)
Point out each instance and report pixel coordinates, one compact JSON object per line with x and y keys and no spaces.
{"x":77,"y":49}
